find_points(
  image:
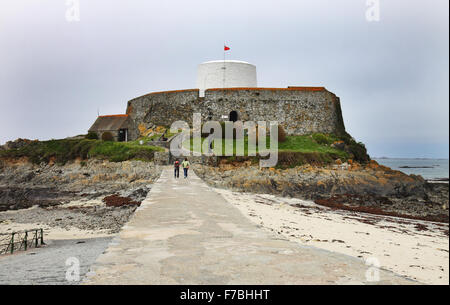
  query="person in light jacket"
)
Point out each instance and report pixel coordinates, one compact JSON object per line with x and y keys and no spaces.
{"x":185,"y":164}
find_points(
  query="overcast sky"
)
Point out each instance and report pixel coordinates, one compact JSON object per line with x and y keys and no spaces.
{"x":392,"y":75}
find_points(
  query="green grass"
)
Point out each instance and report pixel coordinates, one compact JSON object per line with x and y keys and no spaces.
{"x":308,"y":144}
{"x":66,"y":150}
{"x":120,"y":151}
{"x":227,"y":145}
{"x":295,"y":151}
{"x":154,"y":137}
{"x":303,"y":144}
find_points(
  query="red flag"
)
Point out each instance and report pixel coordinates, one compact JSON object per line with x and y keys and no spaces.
{"x":225,"y":48}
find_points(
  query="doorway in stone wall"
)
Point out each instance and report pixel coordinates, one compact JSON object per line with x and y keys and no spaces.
{"x":233,"y":116}
{"x":123,"y":135}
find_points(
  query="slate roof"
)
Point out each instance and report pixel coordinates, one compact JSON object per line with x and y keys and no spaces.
{"x":110,"y":122}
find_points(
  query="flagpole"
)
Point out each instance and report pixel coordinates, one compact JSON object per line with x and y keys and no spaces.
{"x":223,"y":86}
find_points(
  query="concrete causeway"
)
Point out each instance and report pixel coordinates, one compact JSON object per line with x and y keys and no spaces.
{"x":186,"y":233}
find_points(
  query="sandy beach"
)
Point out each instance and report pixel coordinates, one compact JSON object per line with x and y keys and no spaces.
{"x":74,"y":220}
{"x":416,"y":249}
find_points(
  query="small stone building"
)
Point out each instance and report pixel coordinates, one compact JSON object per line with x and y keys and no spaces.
{"x":113,"y":127}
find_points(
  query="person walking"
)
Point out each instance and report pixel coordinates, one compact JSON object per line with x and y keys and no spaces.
{"x":176,"y":168}
{"x":185,"y":164}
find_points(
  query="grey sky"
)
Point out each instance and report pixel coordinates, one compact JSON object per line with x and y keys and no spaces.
{"x":392,"y":76}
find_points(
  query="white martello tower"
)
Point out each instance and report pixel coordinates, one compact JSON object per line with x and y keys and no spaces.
{"x":225,"y":74}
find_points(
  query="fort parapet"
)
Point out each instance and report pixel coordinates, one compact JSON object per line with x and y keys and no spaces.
{"x":300,"y":110}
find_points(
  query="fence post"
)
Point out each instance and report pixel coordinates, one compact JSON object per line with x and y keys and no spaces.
{"x":36,"y":238}
{"x":26,"y":240}
{"x":12,"y":243}
{"x":42,"y":237}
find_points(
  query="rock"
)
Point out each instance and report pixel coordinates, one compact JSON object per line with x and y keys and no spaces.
{"x":24,"y":184}
{"x":162,"y":158}
{"x":344,"y":166}
{"x":372,"y":185}
{"x":17,"y":143}
{"x":338,"y":145}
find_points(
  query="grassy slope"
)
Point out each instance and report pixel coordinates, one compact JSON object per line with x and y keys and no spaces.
{"x":317,"y":144}
{"x":296,"y":150}
{"x":65,"y":150}
{"x":311,"y":143}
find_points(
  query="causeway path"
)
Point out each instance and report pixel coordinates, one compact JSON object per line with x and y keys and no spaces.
{"x":186,"y":233}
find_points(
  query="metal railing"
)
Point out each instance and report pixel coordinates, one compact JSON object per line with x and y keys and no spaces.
{"x":21,"y":240}
{"x":161,"y":138}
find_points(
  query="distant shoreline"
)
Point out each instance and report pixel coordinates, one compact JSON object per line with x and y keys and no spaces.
{"x":432,"y":170}
{"x":389,"y":158}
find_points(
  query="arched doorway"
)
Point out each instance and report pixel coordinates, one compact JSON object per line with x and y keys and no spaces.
{"x":233,"y":116}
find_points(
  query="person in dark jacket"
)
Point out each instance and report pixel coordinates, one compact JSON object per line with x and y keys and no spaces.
{"x":176,"y":167}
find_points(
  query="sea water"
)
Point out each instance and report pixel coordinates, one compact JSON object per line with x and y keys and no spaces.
{"x":429,"y":169}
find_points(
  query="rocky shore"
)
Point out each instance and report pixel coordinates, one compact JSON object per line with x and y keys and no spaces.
{"x":23,"y":184}
{"x":370,"y":188}
{"x":92,"y":196}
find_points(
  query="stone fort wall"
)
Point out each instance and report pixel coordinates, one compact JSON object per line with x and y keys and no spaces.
{"x":300,"y":110}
